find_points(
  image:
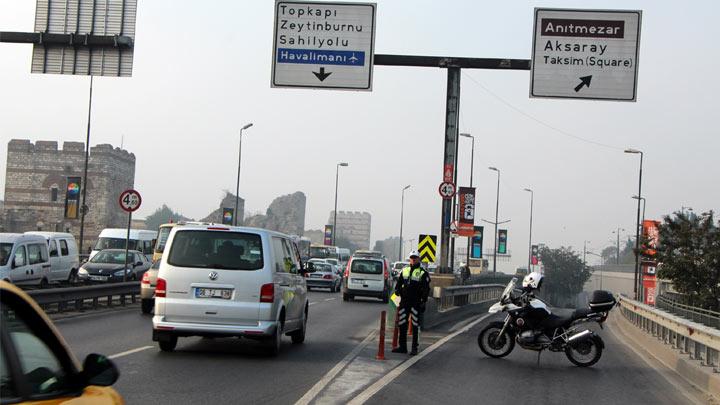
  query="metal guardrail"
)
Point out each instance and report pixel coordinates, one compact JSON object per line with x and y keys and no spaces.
{"x":700,"y":342}
{"x":700,"y":315}
{"x":74,"y":298}
{"x":456,"y":296}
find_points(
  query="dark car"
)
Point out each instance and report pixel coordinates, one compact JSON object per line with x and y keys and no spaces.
{"x":323,"y":275}
{"x":108,"y":265}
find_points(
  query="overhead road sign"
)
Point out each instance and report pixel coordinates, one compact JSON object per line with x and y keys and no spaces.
{"x":585,"y":54}
{"x":98,"y":34}
{"x":427,"y":246}
{"x":447,"y":190}
{"x":323,"y":45}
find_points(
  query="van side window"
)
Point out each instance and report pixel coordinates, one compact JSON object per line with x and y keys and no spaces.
{"x":64,"y":247}
{"x":279,"y":255}
{"x":20,"y":255}
{"x":52,"y":246}
{"x":290,"y":256}
{"x":148,"y":247}
{"x":35,"y":253}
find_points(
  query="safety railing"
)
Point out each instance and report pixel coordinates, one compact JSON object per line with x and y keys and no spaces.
{"x":456,"y":296}
{"x":700,"y":342}
{"x":85,"y":297}
{"x":700,"y":315}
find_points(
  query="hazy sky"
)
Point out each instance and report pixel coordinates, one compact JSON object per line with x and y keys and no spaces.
{"x":202,"y":70}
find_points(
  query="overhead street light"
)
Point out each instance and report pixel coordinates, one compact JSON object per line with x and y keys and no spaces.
{"x":337,"y":172}
{"x":402,"y":208}
{"x":617,"y":256}
{"x":637,"y":287}
{"x":237,"y":185}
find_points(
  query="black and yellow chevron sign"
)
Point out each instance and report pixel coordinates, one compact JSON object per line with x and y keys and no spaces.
{"x":427,"y":245}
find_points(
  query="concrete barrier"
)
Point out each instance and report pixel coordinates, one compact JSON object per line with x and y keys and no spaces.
{"x":452,"y":304}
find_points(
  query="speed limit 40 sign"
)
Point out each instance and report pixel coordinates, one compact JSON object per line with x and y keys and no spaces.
{"x":130,"y":200}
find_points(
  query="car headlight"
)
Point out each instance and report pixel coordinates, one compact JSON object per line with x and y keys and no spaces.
{"x":83,"y":271}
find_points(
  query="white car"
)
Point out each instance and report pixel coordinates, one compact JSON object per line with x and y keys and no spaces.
{"x":64,"y":257}
{"x":367,"y":277}
{"x":217,"y":280}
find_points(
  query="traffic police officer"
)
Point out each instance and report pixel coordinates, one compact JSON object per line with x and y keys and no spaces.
{"x":413,"y":287}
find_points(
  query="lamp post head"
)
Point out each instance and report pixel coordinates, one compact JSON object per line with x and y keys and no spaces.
{"x":466,"y":135}
{"x":247,"y":126}
{"x":636,"y":197}
{"x":527,"y":189}
{"x":406,"y":187}
{"x":494,"y":169}
{"x":343,"y":164}
{"x":630,"y":150}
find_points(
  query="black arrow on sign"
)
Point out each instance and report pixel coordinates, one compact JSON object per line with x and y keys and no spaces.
{"x":585,"y":82}
{"x":322,"y":75}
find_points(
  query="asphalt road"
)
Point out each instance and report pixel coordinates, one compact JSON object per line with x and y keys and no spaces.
{"x":459,"y":373}
{"x":222,"y":370}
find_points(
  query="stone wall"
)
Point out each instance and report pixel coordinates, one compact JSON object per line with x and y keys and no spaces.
{"x":286,"y":214}
{"x":33,"y":170}
{"x":227,"y":202}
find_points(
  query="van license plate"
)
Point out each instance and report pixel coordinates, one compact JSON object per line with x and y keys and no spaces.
{"x":222,"y":293}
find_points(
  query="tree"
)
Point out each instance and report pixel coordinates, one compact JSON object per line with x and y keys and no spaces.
{"x":565,"y":275}
{"x":608,"y":255}
{"x":161,"y":216}
{"x":689,"y":256}
{"x":627,"y":253}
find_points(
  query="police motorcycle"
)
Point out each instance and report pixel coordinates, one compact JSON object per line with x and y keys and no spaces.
{"x":530,"y":323}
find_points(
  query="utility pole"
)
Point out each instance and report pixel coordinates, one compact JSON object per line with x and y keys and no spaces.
{"x":337,"y":174}
{"x":402,"y":209}
{"x":497,"y":208}
{"x":638,"y":279}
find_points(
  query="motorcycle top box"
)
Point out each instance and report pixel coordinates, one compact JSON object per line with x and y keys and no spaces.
{"x":601,"y":301}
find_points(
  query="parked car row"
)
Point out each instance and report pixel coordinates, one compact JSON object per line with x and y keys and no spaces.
{"x":38,"y":258}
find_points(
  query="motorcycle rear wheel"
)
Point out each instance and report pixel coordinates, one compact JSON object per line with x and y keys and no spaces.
{"x":586,"y":353}
{"x":494,"y":345}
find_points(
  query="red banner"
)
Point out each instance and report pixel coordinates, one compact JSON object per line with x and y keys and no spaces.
{"x":651,"y":232}
{"x":466,"y":217}
{"x":649,"y":288}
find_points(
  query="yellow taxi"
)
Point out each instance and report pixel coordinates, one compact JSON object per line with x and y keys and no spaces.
{"x":36,"y":365}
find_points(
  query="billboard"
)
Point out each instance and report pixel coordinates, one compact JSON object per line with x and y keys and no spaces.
{"x":466,"y":220}
{"x":72,"y":198}
{"x":328,"y":240}
{"x":534,"y":253}
{"x":476,"y":244}
{"x":502,"y":241}
{"x":228,"y":216}
{"x":651,"y":238}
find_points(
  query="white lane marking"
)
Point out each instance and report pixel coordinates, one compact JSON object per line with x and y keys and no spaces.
{"x":395,"y":373}
{"x":330,"y":299}
{"x":128,"y":352}
{"x":313,"y":303}
{"x":328,"y":377}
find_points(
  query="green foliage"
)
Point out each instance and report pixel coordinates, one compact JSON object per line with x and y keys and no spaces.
{"x":627,"y":253}
{"x":161,"y":216}
{"x":565,"y":276}
{"x":689,"y":256}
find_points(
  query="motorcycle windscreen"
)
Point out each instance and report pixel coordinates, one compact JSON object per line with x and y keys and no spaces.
{"x":508,"y":289}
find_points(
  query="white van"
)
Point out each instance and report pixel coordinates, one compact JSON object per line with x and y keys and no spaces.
{"x":366,"y":276}
{"x":64,"y":258}
{"x":24,"y":259}
{"x":114,"y":238}
{"x":217,"y":280}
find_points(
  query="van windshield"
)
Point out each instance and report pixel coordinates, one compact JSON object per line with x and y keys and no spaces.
{"x":5,"y":249}
{"x":217,"y":250}
{"x":366,"y":266}
{"x":115,"y":243}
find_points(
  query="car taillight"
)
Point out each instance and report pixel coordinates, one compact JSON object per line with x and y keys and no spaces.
{"x":328,"y":277}
{"x":347,"y":270}
{"x":160,"y":288}
{"x":267,"y":292}
{"x":146,"y":278}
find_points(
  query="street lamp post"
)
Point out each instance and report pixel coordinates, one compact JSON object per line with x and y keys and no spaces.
{"x":402,"y":209}
{"x":337,"y":173}
{"x":472,"y":167}
{"x":643,"y":209}
{"x":617,"y":256}
{"x":532,"y":197}
{"x":636,"y":287}
{"x":497,"y":209}
{"x":237,"y":184}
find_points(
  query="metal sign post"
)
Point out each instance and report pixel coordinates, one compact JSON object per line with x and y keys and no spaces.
{"x":130,"y":201}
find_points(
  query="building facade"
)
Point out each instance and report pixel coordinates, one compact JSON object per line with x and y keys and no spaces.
{"x":40,"y":179}
{"x":353,"y":226}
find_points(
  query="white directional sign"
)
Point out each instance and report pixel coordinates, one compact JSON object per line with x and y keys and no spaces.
{"x":586,"y":54}
{"x":323,"y":45}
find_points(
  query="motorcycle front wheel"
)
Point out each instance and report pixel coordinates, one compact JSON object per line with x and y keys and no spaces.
{"x":585,"y":354}
{"x":492,"y":343}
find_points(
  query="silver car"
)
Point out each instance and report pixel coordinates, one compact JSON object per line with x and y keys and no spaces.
{"x":323,"y":275}
{"x":230,"y":281}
